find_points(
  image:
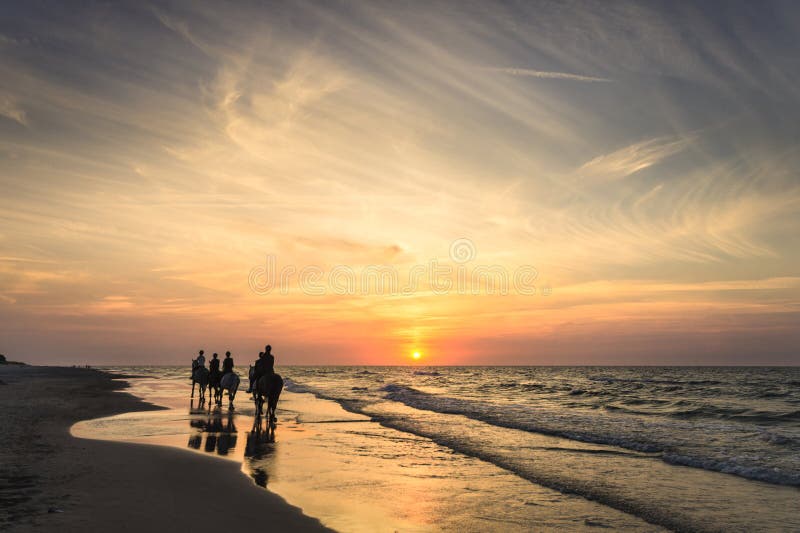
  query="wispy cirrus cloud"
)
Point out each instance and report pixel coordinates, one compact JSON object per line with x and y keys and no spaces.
{"x":11,"y":110}
{"x":546,"y":75}
{"x":632,"y":158}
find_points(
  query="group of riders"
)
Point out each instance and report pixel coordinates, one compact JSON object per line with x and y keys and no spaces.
{"x":265,"y":384}
{"x":264,"y":365}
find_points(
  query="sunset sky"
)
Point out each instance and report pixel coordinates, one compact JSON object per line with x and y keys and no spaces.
{"x":643,"y":157}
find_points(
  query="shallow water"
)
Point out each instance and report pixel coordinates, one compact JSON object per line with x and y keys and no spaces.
{"x":505,"y":448}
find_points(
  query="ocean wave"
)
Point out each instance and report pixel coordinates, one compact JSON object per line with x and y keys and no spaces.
{"x":446,"y":405}
{"x":608,"y":379}
{"x":731,"y":466}
{"x":566,"y":485}
{"x":681,"y":427}
{"x":773,"y":394}
{"x":779,"y":439}
{"x":293,"y":386}
{"x":740,"y":414}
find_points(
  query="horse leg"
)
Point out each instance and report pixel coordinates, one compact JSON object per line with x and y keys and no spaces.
{"x":193,"y":382}
{"x":259,"y":406}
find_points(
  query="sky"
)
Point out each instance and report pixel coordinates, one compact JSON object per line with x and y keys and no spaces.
{"x":195,"y":175}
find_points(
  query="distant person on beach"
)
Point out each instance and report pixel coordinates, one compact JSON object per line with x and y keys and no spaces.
{"x":227,"y":364}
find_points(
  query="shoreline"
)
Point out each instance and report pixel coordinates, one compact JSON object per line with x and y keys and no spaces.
{"x":52,"y":480}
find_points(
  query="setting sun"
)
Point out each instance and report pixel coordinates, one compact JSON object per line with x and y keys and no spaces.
{"x":416,"y":355}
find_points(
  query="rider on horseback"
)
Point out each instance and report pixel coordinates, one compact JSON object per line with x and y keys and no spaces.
{"x":227,"y":363}
{"x":268,"y":361}
{"x":197,"y":363}
{"x":264,"y":366}
{"x":199,"y":374}
{"x":213,"y":365}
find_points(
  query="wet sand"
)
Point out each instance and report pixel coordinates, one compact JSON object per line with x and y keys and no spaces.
{"x":51,"y":481}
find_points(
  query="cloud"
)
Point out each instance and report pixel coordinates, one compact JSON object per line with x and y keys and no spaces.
{"x":543,"y":74}
{"x":9,"y":109}
{"x":632,"y":158}
{"x":181,"y":28}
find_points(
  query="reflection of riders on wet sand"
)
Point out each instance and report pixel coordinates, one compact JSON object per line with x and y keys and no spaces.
{"x":259,"y":439}
{"x":220,"y":436}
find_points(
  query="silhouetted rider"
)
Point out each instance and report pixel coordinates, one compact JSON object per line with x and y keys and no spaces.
{"x":269,"y":360}
{"x":265,"y":364}
{"x":199,"y":362}
{"x":227,"y":363}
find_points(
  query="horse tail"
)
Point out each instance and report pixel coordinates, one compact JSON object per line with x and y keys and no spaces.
{"x":275,"y":388}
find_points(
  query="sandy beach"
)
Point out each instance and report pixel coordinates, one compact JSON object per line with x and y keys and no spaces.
{"x":52,"y":481}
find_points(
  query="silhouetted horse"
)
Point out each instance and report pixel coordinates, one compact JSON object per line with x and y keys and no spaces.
{"x":214,"y":386}
{"x":252,"y":386}
{"x":200,"y":377}
{"x":268,"y":389}
{"x":230,"y":383}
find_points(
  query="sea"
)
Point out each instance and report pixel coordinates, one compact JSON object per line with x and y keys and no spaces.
{"x":502,"y":448}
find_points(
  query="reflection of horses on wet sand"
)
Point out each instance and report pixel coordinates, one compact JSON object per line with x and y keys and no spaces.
{"x":258,"y":447}
{"x":219,"y":436}
{"x":200,"y":378}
